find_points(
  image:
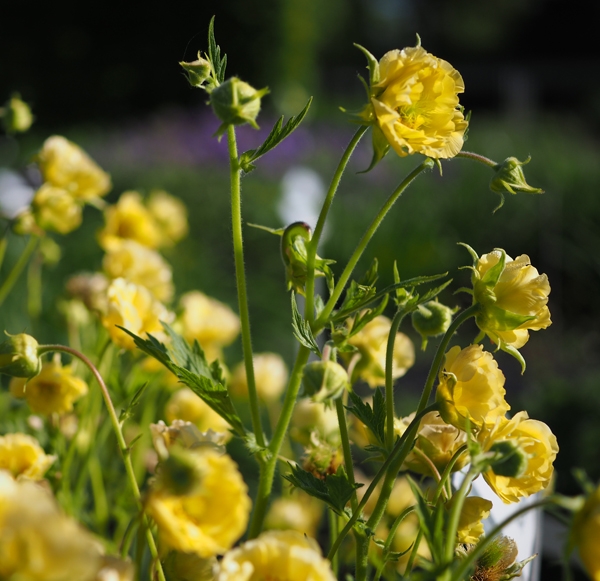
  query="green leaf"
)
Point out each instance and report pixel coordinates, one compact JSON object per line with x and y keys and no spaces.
{"x":127,"y":411}
{"x":335,"y":489}
{"x":275,"y":137}
{"x":214,"y":54}
{"x":191,"y":368}
{"x":372,"y":62}
{"x":372,"y":417}
{"x":302,"y":330}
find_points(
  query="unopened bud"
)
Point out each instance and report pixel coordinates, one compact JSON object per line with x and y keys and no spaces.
{"x":430,"y":320}
{"x":19,"y":356}
{"x":510,"y":459}
{"x":509,"y":177}
{"x":16,"y":117}
{"x":236,"y":102}
{"x":197,"y":71}
{"x":325,"y":381}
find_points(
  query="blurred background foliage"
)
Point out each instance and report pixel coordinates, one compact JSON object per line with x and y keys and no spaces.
{"x":109,"y":80}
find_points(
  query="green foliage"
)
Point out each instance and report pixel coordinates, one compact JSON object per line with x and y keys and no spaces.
{"x":219,"y":63}
{"x":373,"y":417}
{"x":301,"y":329}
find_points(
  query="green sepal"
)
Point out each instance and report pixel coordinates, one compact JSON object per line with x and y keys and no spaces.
{"x":190,"y":366}
{"x":516,"y":354}
{"x":219,"y":64}
{"x":471,"y":251}
{"x":493,"y":318}
{"x":381,"y":146}
{"x":492,"y":275}
{"x":372,"y":63}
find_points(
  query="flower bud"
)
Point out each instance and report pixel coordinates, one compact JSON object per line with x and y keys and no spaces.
{"x":180,"y":473}
{"x":19,"y":356}
{"x":510,"y":459}
{"x":509,"y":177}
{"x":16,"y":117}
{"x":430,"y":320}
{"x":321,"y":458}
{"x":325,"y":381}
{"x":197,"y":71}
{"x":236,"y":102}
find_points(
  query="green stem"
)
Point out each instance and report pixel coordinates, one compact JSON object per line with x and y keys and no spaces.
{"x":476,"y":157}
{"x":362,"y":555}
{"x":390,"y":539}
{"x":389,"y":379}
{"x":364,"y":241}
{"x":123,"y":448}
{"x":267,"y":468}
{"x":314,"y":243}
{"x":341,"y":414}
{"x":334,"y":529}
{"x":441,"y":352}
{"x":3,"y":245}
{"x":240,"y":276}
{"x":447,"y":471}
{"x":18,"y":268}
{"x":458,"y":499}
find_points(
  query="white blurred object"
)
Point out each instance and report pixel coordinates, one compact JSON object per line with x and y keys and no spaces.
{"x":15,"y":193}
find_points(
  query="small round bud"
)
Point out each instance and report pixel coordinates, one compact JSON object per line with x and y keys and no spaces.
{"x":325,"y":381}
{"x":19,"y":356}
{"x":197,"y":71}
{"x":510,"y":459}
{"x":236,"y":102}
{"x":17,"y":117}
{"x":430,"y":320}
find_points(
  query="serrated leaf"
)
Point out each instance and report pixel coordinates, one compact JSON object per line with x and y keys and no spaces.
{"x":301,"y":329}
{"x":214,"y":54}
{"x":275,"y":137}
{"x":372,"y":417}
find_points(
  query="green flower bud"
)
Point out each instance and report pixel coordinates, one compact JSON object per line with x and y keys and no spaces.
{"x":325,"y":381}
{"x":430,"y":320}
{"x":16,"y":115}
{"x":509,"y":177}
{"x":180,"y":473}
{"x":197,"y":71}
{"x":236,"y":102}
{"x":509,"y":459}
{"x":19,"y":356}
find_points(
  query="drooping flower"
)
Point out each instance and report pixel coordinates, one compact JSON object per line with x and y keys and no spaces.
{"x":585,"y":534}
{"x":54,"y":390}
{"x":270,"y":374}
{"x":133,"y":307}
{"x":209,"y":517}
{"x":285,"y":555}
{"x":414,"y":103}
{"x":471,"y":386}
{"x":23,"y":457}
{"x":371,"y":342}
{"x":536,"y":443}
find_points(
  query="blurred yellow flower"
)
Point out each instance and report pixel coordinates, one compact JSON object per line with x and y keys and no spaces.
{"x":54,"y":390}
{"x":415,"y":104}
{"x":37,"y":541}
{"x":190,"y":567}
{"x":133,"y":307}
{"x":141,"y":265}
{"x":115,"y":569}
{"x":474,"y":510}
{"x":23,"y":457}
{"x":585,"y":534}
{"x":536,"y":442}
{"x":185,"y":405}
{"x":212,"y":516}
{"x":270,"y":374}
{"x":274,"y":555}
{"x":55,"y":209}
{"x":513,"y":298}
{"x":65,"y":165}
{"x":298,"y":512}
{"x":436,"y":443}
{"x":371,"y":342}
{"x":471,"y":386}
{"x":309,"y":417}
{"x":170,"y":214}
{"x":129,"y":219}
{"x":210,"y":322}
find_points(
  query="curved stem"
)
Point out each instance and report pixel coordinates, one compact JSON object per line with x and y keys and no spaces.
{"x":476,"y":157}
{"x":441,"y":352}
{"x":458,"y":499}
{"x":240,"y":276}
{"x":389,"y":380}
{"x":364,"y":241}
{"x":123,"y":448}
{"x":17,"y":269}
{"x":314,"y":243}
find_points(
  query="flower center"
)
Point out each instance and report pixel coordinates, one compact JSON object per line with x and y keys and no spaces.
{"x":411,"y":116}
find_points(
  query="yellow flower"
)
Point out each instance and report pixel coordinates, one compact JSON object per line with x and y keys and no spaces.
{"x":54,"y":390}
{"x":371,"y":342}
{"x":299,"y":512}
{"x":185,"y":405}
{"x":170,"y":214}
{"x":133,"y":307}
{"x":55,"y":209}
{"x":23,"y":457}
{"x":270,"y":374}
{"x":115,"y":569}
{"x":470,"y":527}
{"x":129,"y":219}
{"x":274,"y":555}
{"x":212,"y":517}
{"x":471,"y":386}
{"x":213,"y":324}
{"x":436,"y":443}
{"x":65,"y":165}
{"x":37,"y":541}
{"x":586,"y":534}
{"x":136,"y":263}
{"x":415,"y":104}
{"x":513,"y":297}
{"x":536,"y":442}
